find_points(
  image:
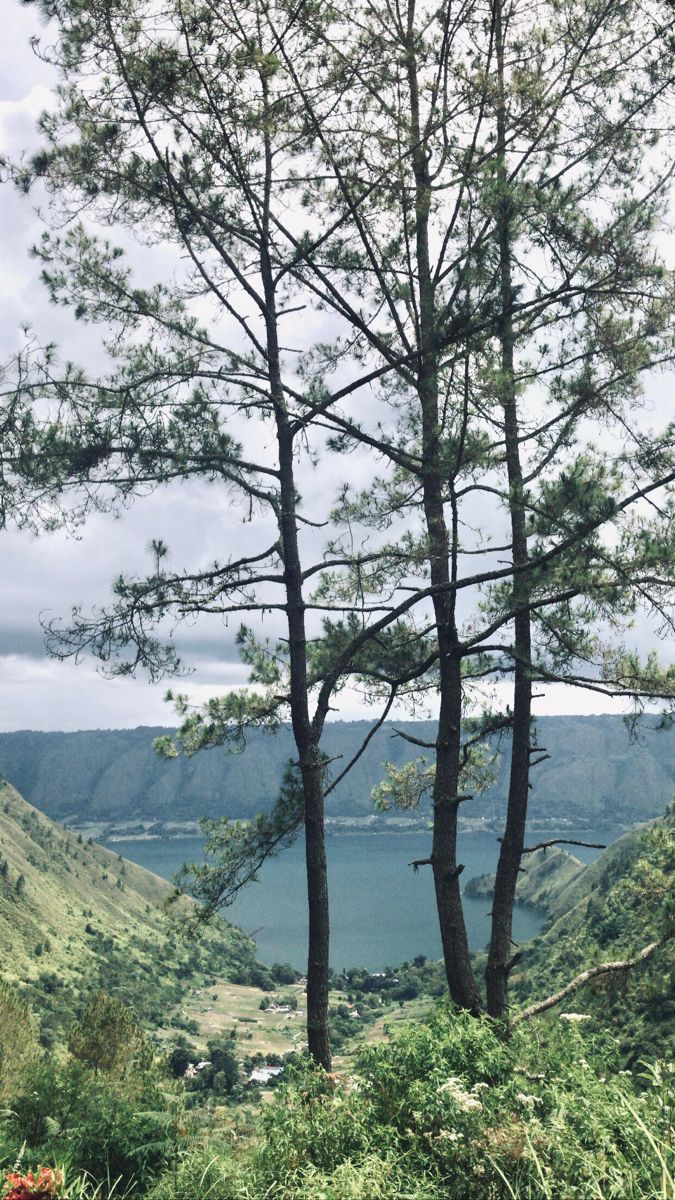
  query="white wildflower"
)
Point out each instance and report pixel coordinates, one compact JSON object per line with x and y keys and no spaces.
{"x":450,"y":1085}
{"x":575,"y":1016}
{"x":463,"y":1099}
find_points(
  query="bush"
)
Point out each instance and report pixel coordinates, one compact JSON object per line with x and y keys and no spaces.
{"x":113,"y":1128}
{"x":443,"y":1109}
{"x":448,"y":1109}
{"x":18,"y":1041}
{"x":284,"y":973}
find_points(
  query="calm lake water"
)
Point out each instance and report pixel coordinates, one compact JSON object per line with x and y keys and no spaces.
{"x":382,"y":912}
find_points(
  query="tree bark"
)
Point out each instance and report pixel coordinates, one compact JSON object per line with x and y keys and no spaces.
{"x":457,"y":959}
{"x":311,"y":765}
{"x":319,"y":929}
{"x":306,"y":737}
{"x":513,"y":841}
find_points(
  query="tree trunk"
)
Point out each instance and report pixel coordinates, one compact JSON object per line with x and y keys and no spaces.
{"x":496,"y":974}
{"x":311,"y":766}
{"x":456,"y":955}
{"x":319,"y":930}
{"x":457,"y":959}
{"x":306,"y":738}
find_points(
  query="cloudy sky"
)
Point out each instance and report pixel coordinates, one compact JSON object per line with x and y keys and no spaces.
{"x":46,"y":576}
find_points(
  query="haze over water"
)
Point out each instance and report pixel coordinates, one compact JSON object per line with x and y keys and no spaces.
{"x":382,"y":912}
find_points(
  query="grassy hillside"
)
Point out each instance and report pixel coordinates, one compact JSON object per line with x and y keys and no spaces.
{"x":595,"y":777}
{"x":609,"y":910}
{"x":545,"y":874}
{"x":75,"y":917}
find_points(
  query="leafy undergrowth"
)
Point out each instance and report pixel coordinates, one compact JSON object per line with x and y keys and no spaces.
{"x":445,"y":1110}
{"x":449,"y":1110}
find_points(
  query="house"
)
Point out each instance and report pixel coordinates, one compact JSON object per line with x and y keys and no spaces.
{"x":264,"y":1074}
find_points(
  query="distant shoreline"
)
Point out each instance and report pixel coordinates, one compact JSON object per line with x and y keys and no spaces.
{"x":110,"y":833}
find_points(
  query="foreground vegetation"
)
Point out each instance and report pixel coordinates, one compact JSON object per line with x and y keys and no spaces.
{"x":443,"y":1109}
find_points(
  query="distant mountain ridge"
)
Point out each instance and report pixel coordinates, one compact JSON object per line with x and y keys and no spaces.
{"x":595,"y":777}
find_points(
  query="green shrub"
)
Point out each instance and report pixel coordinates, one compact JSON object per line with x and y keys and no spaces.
{"x":446,"y":1110}
{"x":449,"y":1109}
{"x":116,"y":1129}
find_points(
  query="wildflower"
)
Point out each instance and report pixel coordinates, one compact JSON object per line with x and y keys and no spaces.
{"x":463,"y":1099}
{"x":527,"y":1100}
{"x":575,"y":1017}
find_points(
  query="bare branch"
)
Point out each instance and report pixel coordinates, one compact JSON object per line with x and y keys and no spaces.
{"x":420,"y":862}
{"x":564,"y":842}
{"x":408,"y":737}
{"x":609,"y":968}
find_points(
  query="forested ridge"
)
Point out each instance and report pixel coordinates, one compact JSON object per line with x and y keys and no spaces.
{"x":610,"y":909}
{"x":75,"y":918}
{"x":596,"y":775}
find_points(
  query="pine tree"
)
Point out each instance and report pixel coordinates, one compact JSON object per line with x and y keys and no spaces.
{"x":505,"y":170}
{"x":478,"y":192}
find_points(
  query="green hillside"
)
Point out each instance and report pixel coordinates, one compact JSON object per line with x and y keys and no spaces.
{"x":545,"y":875}
{"x":606,"y":911}
{"x":75,"y":917}
{"x":595,"y":777}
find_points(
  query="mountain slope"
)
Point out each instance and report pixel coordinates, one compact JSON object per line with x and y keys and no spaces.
{"x":545,"y":875}
{"x":609,"y":911}
{"x":74,"y":917}
{"x":595,"y":777}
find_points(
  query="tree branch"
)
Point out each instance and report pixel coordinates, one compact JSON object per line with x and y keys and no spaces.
{"x":408,"y":737}
{"x":609,"y":968}
{"x":563,"y":842}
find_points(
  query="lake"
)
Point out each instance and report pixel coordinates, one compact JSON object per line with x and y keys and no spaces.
{"x":382,"y":912}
